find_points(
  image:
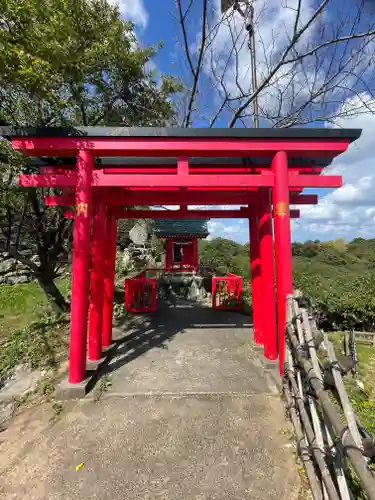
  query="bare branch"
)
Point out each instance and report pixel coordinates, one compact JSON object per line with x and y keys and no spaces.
{"x":269,"y":77}
{"x":195,"y":70}
{"x":331,"y":42}
{"x":306,"y":70}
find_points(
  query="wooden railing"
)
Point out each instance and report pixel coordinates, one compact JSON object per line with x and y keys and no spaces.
{"x":367,"y":338}
{"x":331,"y":442}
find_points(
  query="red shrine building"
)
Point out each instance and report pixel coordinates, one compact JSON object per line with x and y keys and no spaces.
{"x":101,"y":170}
{"x":181,"y":243}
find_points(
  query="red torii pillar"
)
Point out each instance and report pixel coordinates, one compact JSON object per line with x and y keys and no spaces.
{"x":256,"y":278}
{"x":283,"y":249}
{"x":104,"y":237}
{"x":97,"y":279}
{"x":80,"y":269}
{"x":109,"y":277}
{"x":266,"y":253}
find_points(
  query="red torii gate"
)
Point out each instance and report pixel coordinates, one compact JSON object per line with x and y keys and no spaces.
{"x":264,"y":169}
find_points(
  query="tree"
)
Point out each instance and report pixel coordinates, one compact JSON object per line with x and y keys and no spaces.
{"x":223,"y":253}
{"x":66,"y":63}
{"x":76,"y":62}
{"x":312,"y":56}
{"x":340,"y":284}
{"x":37,"y":237}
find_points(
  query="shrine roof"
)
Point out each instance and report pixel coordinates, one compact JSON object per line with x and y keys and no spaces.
{"x":225,"y":133}
{"x":189,"y":227}
{"x":267,"y":136}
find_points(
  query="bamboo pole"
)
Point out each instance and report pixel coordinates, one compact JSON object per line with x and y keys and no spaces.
{"x":313,"y":411}
{"x":303,"y":448}
{"x":316,"y":450}
{"x":343,"y":395}
{"x":365,"y":475}
{"x":338,"y":459}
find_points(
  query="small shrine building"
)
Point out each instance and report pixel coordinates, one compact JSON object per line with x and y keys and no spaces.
{"x":181,"y":242}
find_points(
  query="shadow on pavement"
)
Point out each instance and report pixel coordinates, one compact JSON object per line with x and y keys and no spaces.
{"x":142,"y":332}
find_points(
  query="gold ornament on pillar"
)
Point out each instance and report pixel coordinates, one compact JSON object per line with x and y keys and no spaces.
{"x":281,"y":209}
{"x":82,"y":208}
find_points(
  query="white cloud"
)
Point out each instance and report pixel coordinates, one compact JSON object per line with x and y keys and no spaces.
{"x":132,"y":10}
{"x":349,"y":211}
{"x":231,"y":229}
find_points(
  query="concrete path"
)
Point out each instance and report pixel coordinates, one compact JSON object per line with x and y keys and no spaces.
{"x":191,"y":414}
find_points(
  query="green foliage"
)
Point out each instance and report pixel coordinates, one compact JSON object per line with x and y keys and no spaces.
{"x":157,"y":248}
{"x":22,"y":304}
{"x":121,"y":268}
{"x":65,"y":63}
{"x":104,"y":385}
{"x":340,"y":280}
{"x":339,"y":277}
{"x":226,"y":255}
{"x":40,"y":344}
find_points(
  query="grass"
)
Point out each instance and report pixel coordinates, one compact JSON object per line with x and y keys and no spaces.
{"x":43,"y":343}
{"x":20,"y":305}
{"x":104,"y":386}
{"x":29,"y":333}
{"x":363,"y":401}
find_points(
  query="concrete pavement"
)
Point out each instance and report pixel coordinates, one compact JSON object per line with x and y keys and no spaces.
{"x":191,"y":413}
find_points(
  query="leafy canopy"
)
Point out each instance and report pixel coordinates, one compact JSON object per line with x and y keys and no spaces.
{"x":65,"y":62}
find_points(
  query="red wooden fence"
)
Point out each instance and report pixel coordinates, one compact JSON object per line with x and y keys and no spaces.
{"x":227,"y":292}
{"x":140,"y":294}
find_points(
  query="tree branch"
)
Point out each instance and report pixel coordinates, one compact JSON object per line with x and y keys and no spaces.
{"x":296,"y":37}
{"x":194,"y":70}
{"x":330,"y":42}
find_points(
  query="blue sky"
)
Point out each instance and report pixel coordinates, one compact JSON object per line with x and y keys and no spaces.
{"x":347,"y":212}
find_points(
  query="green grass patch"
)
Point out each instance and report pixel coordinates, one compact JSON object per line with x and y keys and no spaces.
{"x":43,"y":343}
{"x":29,"y":332}
{"x":363,"y":401}
{"x":20,"y":305}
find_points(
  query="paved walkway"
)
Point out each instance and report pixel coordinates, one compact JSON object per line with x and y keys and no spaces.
{"x":191,"y":414}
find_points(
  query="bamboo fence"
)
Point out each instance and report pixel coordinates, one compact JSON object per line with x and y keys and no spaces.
{"x":331,"y":443}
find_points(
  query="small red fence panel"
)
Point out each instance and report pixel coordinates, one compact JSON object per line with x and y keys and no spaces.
{"x":227,"y":293}
{"x":140,"y":295}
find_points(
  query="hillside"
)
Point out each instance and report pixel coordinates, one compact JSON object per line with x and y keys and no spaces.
{"x":338,"y":276}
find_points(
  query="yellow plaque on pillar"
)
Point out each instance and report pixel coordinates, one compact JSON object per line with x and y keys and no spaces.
{"x":281,"y":209}
{"x":82,"y":208}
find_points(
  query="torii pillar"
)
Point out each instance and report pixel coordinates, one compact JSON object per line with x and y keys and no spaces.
{"x":81,"y":269}
{"x":283,"y":247}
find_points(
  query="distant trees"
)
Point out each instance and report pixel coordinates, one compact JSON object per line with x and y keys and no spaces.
{"x":338,"y":276}
{"x":226,"y":255}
